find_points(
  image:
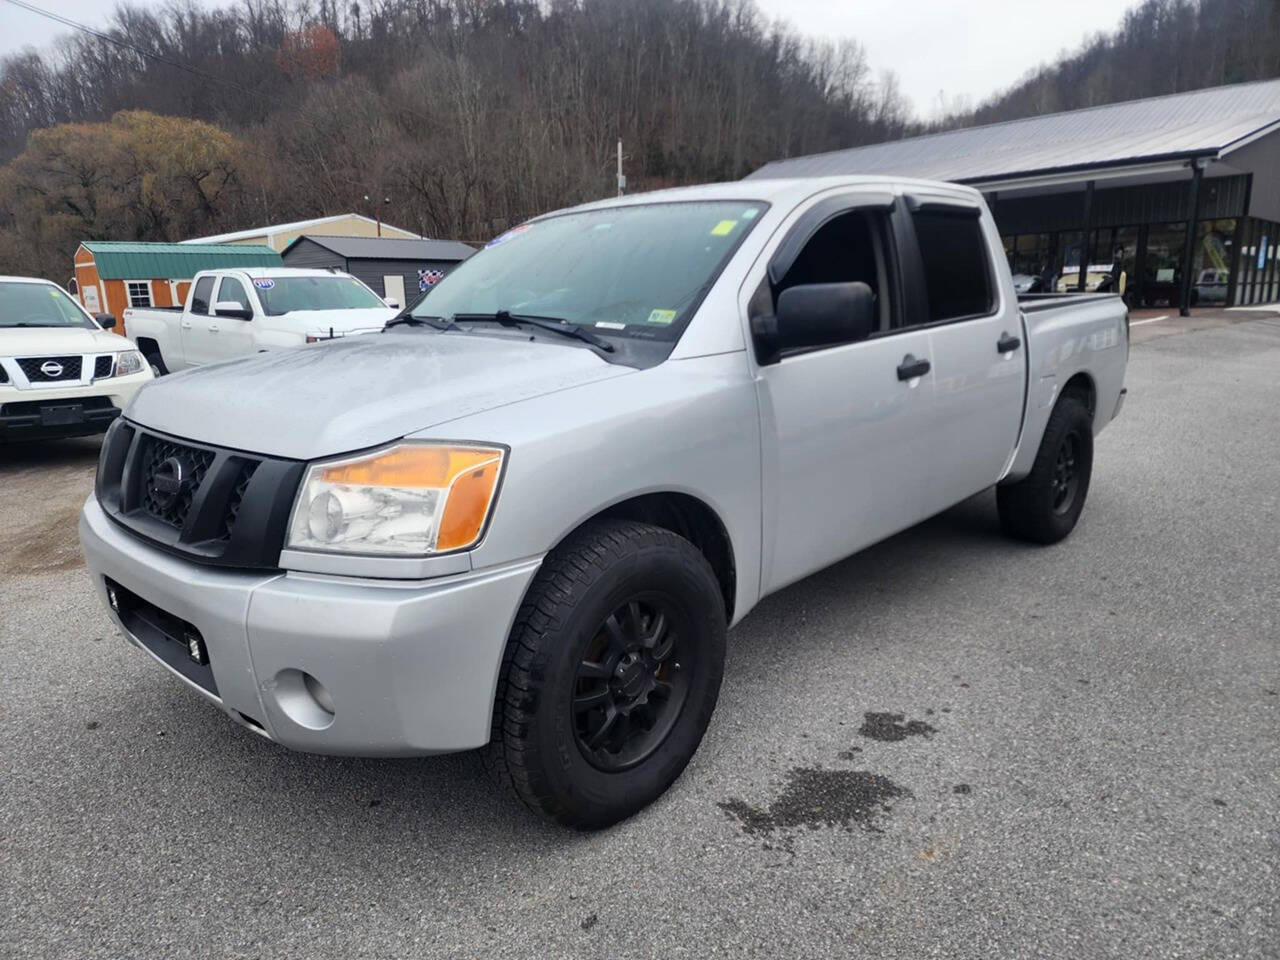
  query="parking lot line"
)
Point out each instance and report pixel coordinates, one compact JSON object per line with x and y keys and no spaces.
{"x":1138,"y":323}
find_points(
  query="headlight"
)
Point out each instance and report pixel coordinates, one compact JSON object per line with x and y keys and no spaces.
{"x":411,"y":499}
{"x":129,"y":362}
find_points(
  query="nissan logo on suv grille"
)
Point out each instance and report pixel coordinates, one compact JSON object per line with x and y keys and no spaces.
{"x":169,"y":480}
{"x":51,"y":369}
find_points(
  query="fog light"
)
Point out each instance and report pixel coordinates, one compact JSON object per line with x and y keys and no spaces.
{"x":319,"y":691}
{"x":302,"y":698}
{"x":113,"y":600}
{"x":195,"y":647}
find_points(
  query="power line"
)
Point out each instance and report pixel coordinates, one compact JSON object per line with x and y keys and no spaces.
{"x":124,"y":44}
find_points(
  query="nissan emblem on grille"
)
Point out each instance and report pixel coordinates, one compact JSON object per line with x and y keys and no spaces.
{"x":169,"y":480}
{"x":51,"y":369}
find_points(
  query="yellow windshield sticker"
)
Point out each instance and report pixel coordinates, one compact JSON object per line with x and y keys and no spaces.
{"x":723,"y":228}
{"x":663,"y":317}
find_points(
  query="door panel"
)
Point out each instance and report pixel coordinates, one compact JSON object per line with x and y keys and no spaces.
{"x":230,"y":336}
{"x":978,"y":405}
{"x":978,"y":385}
{"x":848,"y":456}
{"x":197,"y":347}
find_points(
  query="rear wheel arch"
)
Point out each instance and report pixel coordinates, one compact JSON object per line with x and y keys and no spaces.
{"x":150,"y":348}
{"x":1081,"y":385}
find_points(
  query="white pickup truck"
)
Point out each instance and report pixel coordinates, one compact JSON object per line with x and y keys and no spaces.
{"x":233,"y":313}
{"x":525,"y":515}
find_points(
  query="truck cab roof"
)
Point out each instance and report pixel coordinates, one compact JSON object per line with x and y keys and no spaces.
{"x":275,"y":273}
{"x":783,"y":193}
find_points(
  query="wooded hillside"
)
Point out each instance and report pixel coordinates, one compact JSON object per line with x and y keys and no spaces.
{"x":1161,"y":46}
{"x":457,"y":118}
{"x":468,"y":114}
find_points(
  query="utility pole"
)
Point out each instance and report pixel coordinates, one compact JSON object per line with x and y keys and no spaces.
{"x":622,"y":179}
{"x":377,"y":217}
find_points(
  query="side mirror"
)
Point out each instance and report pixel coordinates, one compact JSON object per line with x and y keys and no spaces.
{"x":815,"y":315}
{"x":230,"y":308}
{"x":391,"y":302}
{"x":105,"y":320}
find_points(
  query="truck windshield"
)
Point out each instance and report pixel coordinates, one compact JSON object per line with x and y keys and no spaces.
{"x":39,"y":305}
{"x":280,"y":295}
{"x":635,"y":270}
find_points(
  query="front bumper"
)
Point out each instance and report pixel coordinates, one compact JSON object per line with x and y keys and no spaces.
{"x":409,"y":667}
{"x":24,"y":412}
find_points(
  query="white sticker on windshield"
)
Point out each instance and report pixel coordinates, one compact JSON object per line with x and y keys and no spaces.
{"x":266,"y":283}
{"x":750,"y":213}
{"x":609,"y":325}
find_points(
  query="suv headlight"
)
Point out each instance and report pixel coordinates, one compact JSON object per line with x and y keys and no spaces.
{"x":411,"y":499}
{"x":128,"y":362}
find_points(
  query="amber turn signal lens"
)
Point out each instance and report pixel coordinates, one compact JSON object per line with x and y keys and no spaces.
{"x":466,"y":477}
{"x":412,"y":466}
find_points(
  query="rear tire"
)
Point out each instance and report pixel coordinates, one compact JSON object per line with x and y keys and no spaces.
{"x":610,"y":675}
{"x":1045,"y":505}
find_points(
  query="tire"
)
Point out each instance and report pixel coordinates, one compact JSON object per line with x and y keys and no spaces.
{"x":156,"y":363}
{"x":580,"y":636}
{"x":1045,"y":505}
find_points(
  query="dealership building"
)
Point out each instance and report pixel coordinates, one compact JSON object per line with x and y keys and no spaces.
{"x":1181,"y":193}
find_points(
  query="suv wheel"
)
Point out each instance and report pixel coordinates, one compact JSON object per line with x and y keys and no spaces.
{"x":1045,"y":505}
{"x":610,"y":675}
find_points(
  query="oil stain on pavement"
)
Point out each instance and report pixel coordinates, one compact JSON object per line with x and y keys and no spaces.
{"x":890,"y":727}
{"x":814,"y":798}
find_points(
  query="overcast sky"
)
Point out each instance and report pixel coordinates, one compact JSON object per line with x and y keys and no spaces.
{"x":969,"y":48}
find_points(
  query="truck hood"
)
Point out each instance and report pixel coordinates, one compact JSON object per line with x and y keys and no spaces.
{"x":339,"y":321}
{"x":347,"y":394}
{"x":58,"y":341}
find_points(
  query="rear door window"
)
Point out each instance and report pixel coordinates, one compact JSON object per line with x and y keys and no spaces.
{"x":957,"y":271}
{"x":204,"y":293}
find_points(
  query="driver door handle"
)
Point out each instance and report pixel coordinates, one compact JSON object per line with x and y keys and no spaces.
{"x":213,"y":328}
{"x":910,"y":368}
{"x":1007,"y":343}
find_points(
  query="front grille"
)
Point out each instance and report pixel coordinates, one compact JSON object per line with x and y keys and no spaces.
{"x":207,"y":503}
{"x":172,"y":506}
{"x":59,"y":368}
{"x":4,"y":376}
{"x":232,"y":513}
{"x":102,"y":368}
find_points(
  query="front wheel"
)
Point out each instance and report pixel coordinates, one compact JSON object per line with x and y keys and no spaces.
{"x":1045,"y":505}
{"x":611,"y":674}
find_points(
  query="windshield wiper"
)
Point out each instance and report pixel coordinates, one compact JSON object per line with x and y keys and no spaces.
{"x":550,"y":324}
{"x":409,"y":320}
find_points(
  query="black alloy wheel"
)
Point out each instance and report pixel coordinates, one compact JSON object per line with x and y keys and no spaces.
{"x":632,"y":683}
{"x":1066,"y":478}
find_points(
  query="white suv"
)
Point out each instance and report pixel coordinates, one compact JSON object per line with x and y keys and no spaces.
{"x":61,"y":373}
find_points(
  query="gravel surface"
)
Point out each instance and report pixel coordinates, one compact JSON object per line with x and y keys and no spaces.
{"x":950,"y":745}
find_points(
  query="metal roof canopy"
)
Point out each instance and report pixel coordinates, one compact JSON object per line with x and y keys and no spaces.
{"x":173,"y":261}
{"x":1156,"y":136}
{"x":388,"y":248}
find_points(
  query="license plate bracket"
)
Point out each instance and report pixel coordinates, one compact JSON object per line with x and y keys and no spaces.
{"x":63,"y":415}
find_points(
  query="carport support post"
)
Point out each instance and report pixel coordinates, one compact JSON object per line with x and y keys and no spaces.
{"x":1086,"y":241}
{"x":1189,"y":247}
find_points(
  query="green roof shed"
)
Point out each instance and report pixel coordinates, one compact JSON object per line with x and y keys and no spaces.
{"x":174,"y":261}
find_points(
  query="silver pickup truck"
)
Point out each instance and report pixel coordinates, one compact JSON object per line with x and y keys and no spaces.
{"x":524,"y":516}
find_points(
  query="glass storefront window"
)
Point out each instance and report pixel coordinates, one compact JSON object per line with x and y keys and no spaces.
{"x":1215,"y":240}
{"x":1162,"y":265}
{"x":1116,"y":246}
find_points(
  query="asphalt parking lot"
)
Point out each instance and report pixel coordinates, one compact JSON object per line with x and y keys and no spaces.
{"x":948,"y":746}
